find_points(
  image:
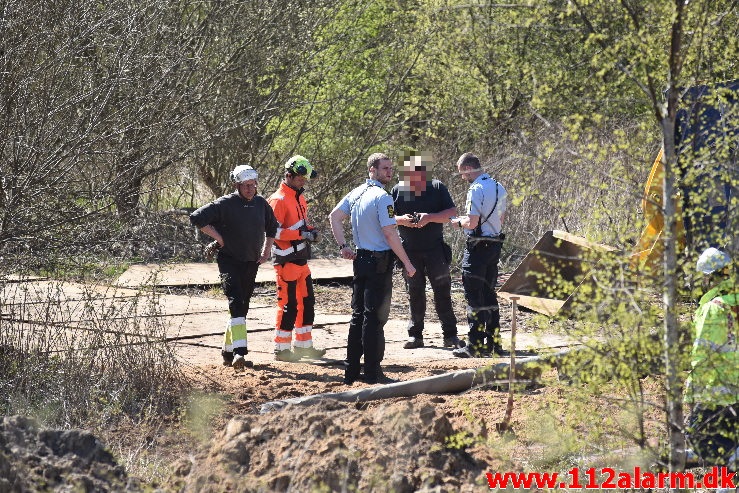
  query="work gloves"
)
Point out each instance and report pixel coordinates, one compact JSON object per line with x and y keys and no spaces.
{"x":311,"y":235}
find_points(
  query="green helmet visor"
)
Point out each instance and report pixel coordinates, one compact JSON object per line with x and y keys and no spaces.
{"x":298,"y":165}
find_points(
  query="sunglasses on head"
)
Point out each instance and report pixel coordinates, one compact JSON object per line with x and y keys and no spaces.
{"x":302,"y":170}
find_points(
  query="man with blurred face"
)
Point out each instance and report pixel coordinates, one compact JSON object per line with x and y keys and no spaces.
{"x":422,"y":206}
{"x":292,"y":249}
{"x":239,"y":223}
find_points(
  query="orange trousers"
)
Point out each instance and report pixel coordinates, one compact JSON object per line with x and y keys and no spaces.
{"x":295,"y":306}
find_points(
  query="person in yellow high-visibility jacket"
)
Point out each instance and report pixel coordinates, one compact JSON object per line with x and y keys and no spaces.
{"x":713,"y":384}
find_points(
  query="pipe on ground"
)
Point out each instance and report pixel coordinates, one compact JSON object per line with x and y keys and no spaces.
{"x":527,"y":370}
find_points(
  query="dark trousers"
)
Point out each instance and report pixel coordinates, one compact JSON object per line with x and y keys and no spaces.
{"x":713,"y":432}
{"x":370,"y":310}
{"x":433,"y":264}
{"x":237,"y":279}
{"x":479,"y":275}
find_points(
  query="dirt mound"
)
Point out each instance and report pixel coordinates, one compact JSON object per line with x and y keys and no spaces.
{"x":333,"y":446}
{"x":35,"y":459}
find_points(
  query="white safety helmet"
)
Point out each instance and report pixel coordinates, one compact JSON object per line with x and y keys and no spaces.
{"x":712,"y":260}
{"x":243,"y":172}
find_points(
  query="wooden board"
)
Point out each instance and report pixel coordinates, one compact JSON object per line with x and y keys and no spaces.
{"x":204,"y":274}
{"x":20,"y":278}
{"x":546,"y":306}
{"x":194,"y":323}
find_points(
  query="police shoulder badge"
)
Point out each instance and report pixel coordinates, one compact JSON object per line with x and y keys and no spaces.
{"x":390,"y":211}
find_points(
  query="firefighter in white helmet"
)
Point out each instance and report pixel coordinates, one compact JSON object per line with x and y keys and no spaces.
{"x":295,"y":298}
{"x":243,"y":226}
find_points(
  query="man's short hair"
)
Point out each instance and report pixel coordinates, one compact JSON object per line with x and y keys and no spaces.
{"x":375,"y":158}
{"x":469,"y":160}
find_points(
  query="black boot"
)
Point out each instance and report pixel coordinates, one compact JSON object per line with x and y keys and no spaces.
{"x":351,"y":373}
{"x":228,"y":358}
{"x":377,"y":376}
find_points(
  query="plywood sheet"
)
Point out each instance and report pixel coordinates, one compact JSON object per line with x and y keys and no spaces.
{"x":203,"y":274}
{"x":546,"y":306}
{"x":195,"y":324}
{"x":48,"y":303}
{"x":583,"y":242}
{"x":207,"y":348}
{"x":20,"y":278}
{"x":43,"y":290}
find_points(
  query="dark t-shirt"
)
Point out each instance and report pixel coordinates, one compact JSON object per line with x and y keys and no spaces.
{"x":243,"y":224}
{"x":435,"y":198}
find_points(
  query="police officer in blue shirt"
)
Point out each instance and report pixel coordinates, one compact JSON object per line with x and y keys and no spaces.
{"x":370,"y":210}
{"x":483,"y":225}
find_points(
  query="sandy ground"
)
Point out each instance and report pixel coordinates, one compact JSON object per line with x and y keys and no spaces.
{"x":428,"y":442}
{"x":398,"y":444}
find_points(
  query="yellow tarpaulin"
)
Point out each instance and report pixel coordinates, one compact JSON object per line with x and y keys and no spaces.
{"x":648,"y":253}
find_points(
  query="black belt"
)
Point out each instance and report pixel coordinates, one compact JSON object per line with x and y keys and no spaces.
{"x":374,"y":253}
{"x":300,"y":261}
{"x":497,"y":237}
{"x":474,"y":242}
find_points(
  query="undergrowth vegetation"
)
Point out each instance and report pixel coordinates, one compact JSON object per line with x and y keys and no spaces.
{"x":123,"y":117}
{"x":81,"y":355}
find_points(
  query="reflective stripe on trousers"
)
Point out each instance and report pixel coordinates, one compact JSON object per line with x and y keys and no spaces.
{"x":295,"y":306}
{"x":235,"y":335}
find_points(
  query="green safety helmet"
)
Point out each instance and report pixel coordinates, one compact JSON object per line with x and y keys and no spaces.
{"x":298,"y":165}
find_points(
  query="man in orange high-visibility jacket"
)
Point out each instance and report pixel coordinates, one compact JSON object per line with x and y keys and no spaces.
{"x":291,"y":250}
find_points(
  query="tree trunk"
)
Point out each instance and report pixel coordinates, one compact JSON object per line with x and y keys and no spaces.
{"x":128,"y":190}
{"x":674,"y":384}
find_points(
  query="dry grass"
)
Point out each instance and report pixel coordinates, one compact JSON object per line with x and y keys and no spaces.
{"x":81,"y":358}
